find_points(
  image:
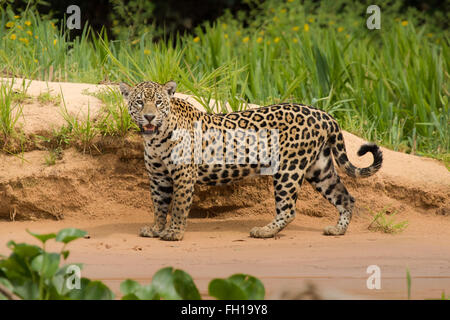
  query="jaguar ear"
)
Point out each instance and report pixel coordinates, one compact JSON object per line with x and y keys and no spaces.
{"x":125,"y":89}
{"x":170,"y":87}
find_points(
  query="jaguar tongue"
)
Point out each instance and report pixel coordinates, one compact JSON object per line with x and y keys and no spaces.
{"x":149,"y":127}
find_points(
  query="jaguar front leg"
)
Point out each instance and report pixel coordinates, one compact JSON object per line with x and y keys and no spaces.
{"x":161,"y":192}
{"x":181,"y":204}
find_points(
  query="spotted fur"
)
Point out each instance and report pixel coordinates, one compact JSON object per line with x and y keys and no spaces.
{"x":308,"y":141}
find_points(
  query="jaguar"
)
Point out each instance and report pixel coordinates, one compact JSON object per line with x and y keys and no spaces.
{"x":291,"y":142}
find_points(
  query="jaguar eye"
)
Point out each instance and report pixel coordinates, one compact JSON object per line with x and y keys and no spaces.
{"x":139,"y":102}
{"x":158,"y":102}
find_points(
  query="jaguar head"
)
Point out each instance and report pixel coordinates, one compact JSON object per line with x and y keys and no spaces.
{"x":149,"y":104}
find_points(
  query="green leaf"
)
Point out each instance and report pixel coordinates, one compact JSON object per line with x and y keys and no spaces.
{"x":162,"y":282}
{"x":185,"y":286}
{"x":91,"y":290}
{"x":129,"y":286}
{"x":172,"y":284}
{"x":70,"y":234}
{"x":46,"y":264}
{"x":252,"y":286}
{"x":147,"y":292}
{"x":223,"y":289}
{"x":131,"y":296}
{"x":237,"y":287}
{"x":65,"y":254}
{"x":27,"y":290}
{"x":24,"y":250}
{"x":42,"y":237}
{"x":5,"y":283}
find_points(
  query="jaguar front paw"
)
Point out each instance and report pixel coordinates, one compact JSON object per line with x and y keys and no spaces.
{"x":149,"y":232}
{"x":171,"y":235}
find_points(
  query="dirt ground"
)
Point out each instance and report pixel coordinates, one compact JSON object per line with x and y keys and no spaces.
{"x":107,"y":195}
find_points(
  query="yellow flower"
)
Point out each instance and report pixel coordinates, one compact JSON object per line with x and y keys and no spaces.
{"x":10,"y":24}
{"x":225,"y":36}
{"x":261,"y":32}
{"x":135,"y":41}
{"x":238,"y":33}
{"x":146,"y":52}
{"x":311,"y":20}
{"x":13,"y":37}
{"x":17,"y":17}
{"x":224,"y":25}
{"x":347,"y":36}
{"x":429,"y":35}
{"x":306,"y":27}
{"x":35,"y":60}
{"x":54,"y":42}
{"x":245,"y":40}
{"x":268,"y":42}
{"x":36,"y":37}
{"x":404,"y":23}
{"x":295,"y":40}
{"x":290,"y":0}
{"x":196,"y":39}
{"x":28,"y":23}
{"x":259,"y":40}
{"x":30,"y":33}
{"x":283,"y":10}
{"x":340,"y":29}
{"x":276,"y":40}
{"x":19,"y":27}
{"x":296,"y":28}
{"x":24,"y":40}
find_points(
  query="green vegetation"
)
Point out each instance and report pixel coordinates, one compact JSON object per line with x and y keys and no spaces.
{"x":385,"y":222}
{"x":48,"y":98}
{"x":10,"y":112}
{"x":31,"y":272}
{"x":408,"y":286}
{"x":115,"y":119}
{"x":390,"y":85}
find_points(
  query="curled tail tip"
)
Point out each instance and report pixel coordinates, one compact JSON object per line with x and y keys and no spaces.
{"x":377,"y":158}
{"x":369,"y":147}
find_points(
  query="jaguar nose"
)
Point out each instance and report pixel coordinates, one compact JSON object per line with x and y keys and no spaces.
{"x":149,"y":117}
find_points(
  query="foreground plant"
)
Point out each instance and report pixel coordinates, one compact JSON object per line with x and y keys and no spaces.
{"x":387,"y":224}
{"x":32,"y":273}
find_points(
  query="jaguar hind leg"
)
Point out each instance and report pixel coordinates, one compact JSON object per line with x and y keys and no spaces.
{"x":286,"y":186}
{"x":323,"y":177}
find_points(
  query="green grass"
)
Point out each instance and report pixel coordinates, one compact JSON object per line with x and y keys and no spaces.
{"x":48,"y":98}
{"x":10,"y":112}
{"x":52,"y":156}
{"x":114,"y":119}
{"x":80,"y":129}
{"x":390,"y":86}
{"x":385,"y":222}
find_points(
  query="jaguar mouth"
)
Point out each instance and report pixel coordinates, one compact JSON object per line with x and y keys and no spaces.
{"x":149,"y":129}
